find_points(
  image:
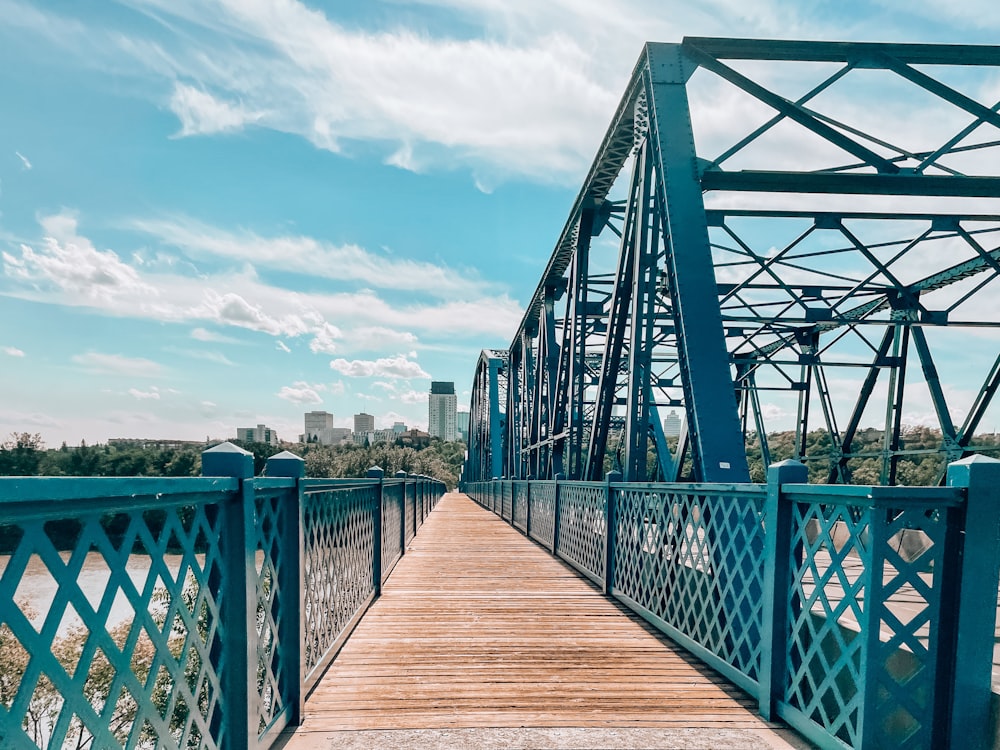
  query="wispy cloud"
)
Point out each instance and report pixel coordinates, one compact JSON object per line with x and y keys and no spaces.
{"x":67,"y":269}
{"x":203,"y":354}
{"x":116,"y":364}
{"x":306,"y":255}
{"x":281,"y":346}
{"x":152,"y":394}
{"x":25,"y":164}
{"x":12,"y":351}
{"x":201,"y":113}
{"x":202,"y":334}
{"x":399,"y":366}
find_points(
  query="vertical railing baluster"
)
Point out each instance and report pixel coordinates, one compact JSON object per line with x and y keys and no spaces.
{"x":402,"y":512}
{"x":376,"y":473}
{"x":291,"y":583}
{"x":555,"y":511}
{"x":610,"y":529}
{"x":777,"y":553}
{"x":239,"y":654}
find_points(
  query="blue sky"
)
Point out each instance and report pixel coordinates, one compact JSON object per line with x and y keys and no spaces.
{"x":215,"y":213}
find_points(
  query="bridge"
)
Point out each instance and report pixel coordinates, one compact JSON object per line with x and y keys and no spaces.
{"x":718,"y":274}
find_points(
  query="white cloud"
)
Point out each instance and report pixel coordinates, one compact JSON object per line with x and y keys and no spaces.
{"x":413,"y":397}
{"x":202,"y":334}
{"x":116,"y":364}
{"x":208,"y":356}
{"x":300,"y":393}
{"x":323,"y":339}
{"x":201,"y":113}
{"x":306,"y":255}
{"x":70,"y":263}
{"x":153,"y":393}
{"x":12,"y":351}
{"x":68,"y":270}
{"x":387,"y":367}
{"x":281,"y":346}
{"x":367,"y":338}
{"x":25,"y":164}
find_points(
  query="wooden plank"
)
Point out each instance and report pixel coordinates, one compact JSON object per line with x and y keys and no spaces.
{"x":479,"y":627}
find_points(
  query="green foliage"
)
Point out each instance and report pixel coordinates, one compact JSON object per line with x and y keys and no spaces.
{"x":24,"y":455}
{"x":440,"y":460}
{"x":920,"y":463}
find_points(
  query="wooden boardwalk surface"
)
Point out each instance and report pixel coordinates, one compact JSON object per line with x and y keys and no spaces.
{"x":479,"y":627}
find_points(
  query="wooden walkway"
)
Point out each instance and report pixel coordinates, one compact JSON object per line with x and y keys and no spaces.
{"x":479,"y":627}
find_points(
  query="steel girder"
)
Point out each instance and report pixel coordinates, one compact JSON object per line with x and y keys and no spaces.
{"x":792,"y":266}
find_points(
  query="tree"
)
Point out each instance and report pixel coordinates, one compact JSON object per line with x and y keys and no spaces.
{"x":20,"y":454}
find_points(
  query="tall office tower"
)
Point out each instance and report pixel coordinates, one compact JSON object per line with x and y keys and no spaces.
{"x":462,"y":425}
{"x":318,"y":427}
{"x":441,"y":410}
{"x":672,"y":424}
{"x":364,"y":423}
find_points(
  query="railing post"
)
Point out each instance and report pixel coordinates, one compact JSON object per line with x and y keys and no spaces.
{"x":292,"y":573}
{"x":376,"y":473}
{"x":239,"y":652}
{"x":555,"y":511}
{"x":402,"y":514}
{"x":777,"y":541}
{"x":527,"y":510}
{"x":975,"y":619}
{"x":610,"y":530}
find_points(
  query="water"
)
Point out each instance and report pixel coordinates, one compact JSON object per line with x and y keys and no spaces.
{"x":37,"y":588}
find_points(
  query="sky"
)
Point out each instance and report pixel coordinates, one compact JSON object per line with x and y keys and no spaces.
{"x":219,"y":213}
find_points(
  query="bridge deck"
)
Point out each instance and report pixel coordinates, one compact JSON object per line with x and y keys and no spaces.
{"x":479,"y":627}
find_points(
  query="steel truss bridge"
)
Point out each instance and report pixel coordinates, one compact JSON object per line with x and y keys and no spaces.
{"x":803,"y":232}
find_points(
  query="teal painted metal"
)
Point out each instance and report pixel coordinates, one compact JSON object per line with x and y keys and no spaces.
{"x":216,"y":602}
{"x":770,"y":305}
{"x":973,"y":585}
{"x":862,"y":616}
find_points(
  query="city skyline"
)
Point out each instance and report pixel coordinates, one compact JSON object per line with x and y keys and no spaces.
{"x":218,"y":214}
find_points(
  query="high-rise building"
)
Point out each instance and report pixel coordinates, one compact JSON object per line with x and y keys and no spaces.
{"x":364,"y":422}
{"x":318,"y":428}
{"x":259,"y":434}
{"x":441,"y":410}
{"x":399,"y":427}
{"x":462,"y":425}
{"x":672,"y":424}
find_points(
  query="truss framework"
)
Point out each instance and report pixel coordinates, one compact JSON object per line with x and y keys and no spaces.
{"x":831,"y":257}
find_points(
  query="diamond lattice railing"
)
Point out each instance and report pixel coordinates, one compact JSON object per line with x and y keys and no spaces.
{"x":338,"y":529}
{"x":520,"y":505}
{"x":875,"y":570}
{"x":543,"y":508}
{"x":695,"y":561}
{"x":583,"y":525}
{"x":410,"y":491}
{"x":392,"y":526}
{"x":827,"y":608}
{"x":270,"y":541}
{"x":110,"y":621}
{"x":506,"y":500}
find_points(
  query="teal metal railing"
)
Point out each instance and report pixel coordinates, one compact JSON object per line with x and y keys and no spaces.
{"x":862,"y":616}
{"x":186,"y":613}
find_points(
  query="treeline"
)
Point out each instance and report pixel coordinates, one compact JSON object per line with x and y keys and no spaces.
{"x":921,"y":462}
{"x":24,"y":454}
